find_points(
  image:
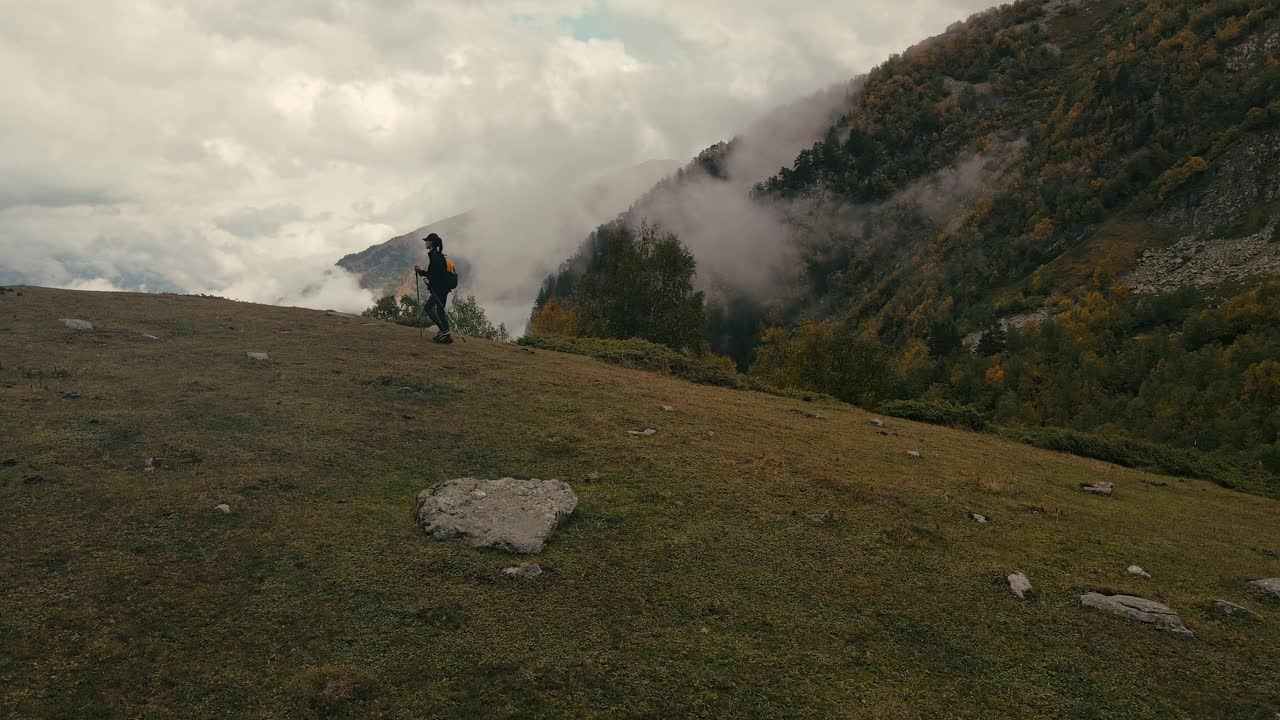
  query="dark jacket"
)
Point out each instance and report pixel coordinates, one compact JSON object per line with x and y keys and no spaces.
{"x":437,"y":273}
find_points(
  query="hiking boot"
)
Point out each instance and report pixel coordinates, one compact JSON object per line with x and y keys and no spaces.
{"x":444,"y":339}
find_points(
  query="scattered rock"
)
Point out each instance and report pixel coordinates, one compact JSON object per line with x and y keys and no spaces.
{"x":914,"y":454}
{"x":149,"y":464}
{"x":257,"y":356}
{"x":224,"y":508}
{"x":150,"y":337}
{"x":592,"y":478}
{"x":79,"y":325}
{"x":69,"y":394}
{"x":523,"y":570}
{"x":667,"y":408}
{"x":1137,"y":571}
{"x":1147,"y":612}
{"x":1099,"y":488}
{"x":643,"y":433}
{"x":807,"y":414}
{"x":876,"y":422}
{"x":509,"y":514}
{"x":1230,"y":609}
{"x":979,"y":518}
{"x":1020,"y":585}
{"x":1270,"y":587}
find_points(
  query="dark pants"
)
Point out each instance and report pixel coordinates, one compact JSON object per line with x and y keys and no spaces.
{"x":436,"y":301}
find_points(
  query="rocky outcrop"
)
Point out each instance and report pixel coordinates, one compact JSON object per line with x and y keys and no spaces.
{"x":1200,"y":262}
{"x":507,"y":514}
{"x":1147,"y":612}
{"x":1243,"y":177}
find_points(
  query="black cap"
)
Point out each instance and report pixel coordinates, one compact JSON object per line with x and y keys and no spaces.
{"x":434,"y":240}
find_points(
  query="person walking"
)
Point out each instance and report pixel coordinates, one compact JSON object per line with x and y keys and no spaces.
{"x":442,"y":278}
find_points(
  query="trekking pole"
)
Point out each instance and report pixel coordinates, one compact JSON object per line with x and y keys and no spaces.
{"x":417,"y":292}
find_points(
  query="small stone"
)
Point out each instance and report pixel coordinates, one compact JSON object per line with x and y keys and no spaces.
{"x":1269,"y":587}
{"x":979,"y":518}
{"x":592,"y":478}
{"x":478,"y":494}
{"x":1099,"y":488}
{"x":149,"y":464}
{"x":667,"y":408}
{"x":224,"y":508}
{"x":69,"y":394}
{"x":1230,"y":609}
{"x":523,"y":570}
{"x":150,"y":337}
{"x":914,"y":454}
{"x":643,"y":433}
{"x":78,"y":325}
{"x":257,"y":356}
{"x":818,"y":518}
{"x":1020,"y":585}
{"x":1137,"y":571}
{"x":1147,"y":612}
{"x":877,"y":422}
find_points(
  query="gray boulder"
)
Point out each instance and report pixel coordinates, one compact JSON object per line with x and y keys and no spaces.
{"x":1099,"y":488}
{"x":1147,"y":612}
{"x":224,"y":508}
{"x":1137,"y":571}
{"x":507,"y":514}
{"x":914,"y":454}
{"x":1269,"y":587}
{"x":1020,"y":585}
{"x":80,"y":325}
{"x":1230,"y":609}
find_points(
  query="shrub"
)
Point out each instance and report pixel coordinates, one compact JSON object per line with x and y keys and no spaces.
{"x":1133,"y":453}
{"x":937,"y":413}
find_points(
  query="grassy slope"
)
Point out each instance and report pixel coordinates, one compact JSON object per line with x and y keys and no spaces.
{"x":688,"y":584}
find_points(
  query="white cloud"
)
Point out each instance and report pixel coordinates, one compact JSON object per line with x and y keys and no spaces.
{"x":240,"y":148}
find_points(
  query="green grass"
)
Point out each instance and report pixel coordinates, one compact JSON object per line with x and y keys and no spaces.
{"x":645,"y":355}
{"x":689,"y":583}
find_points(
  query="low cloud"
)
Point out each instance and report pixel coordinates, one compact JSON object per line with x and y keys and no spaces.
{"x":240,"y":149}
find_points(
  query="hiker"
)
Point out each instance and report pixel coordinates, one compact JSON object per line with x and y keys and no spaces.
{"x":442,"y":277}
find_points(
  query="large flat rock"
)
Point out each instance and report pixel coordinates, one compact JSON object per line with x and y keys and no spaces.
{"x":1147,"y":612}
{"x":507,"y":514}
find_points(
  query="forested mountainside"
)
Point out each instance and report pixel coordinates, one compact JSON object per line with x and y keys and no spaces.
{"x":1062,"y":213}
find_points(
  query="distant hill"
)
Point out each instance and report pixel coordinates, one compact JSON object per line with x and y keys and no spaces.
{"x":1060,"y":212}
{"x":756,"y":557}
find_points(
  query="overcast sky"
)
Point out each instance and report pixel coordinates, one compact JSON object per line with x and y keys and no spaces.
{"x":240,"y":147}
